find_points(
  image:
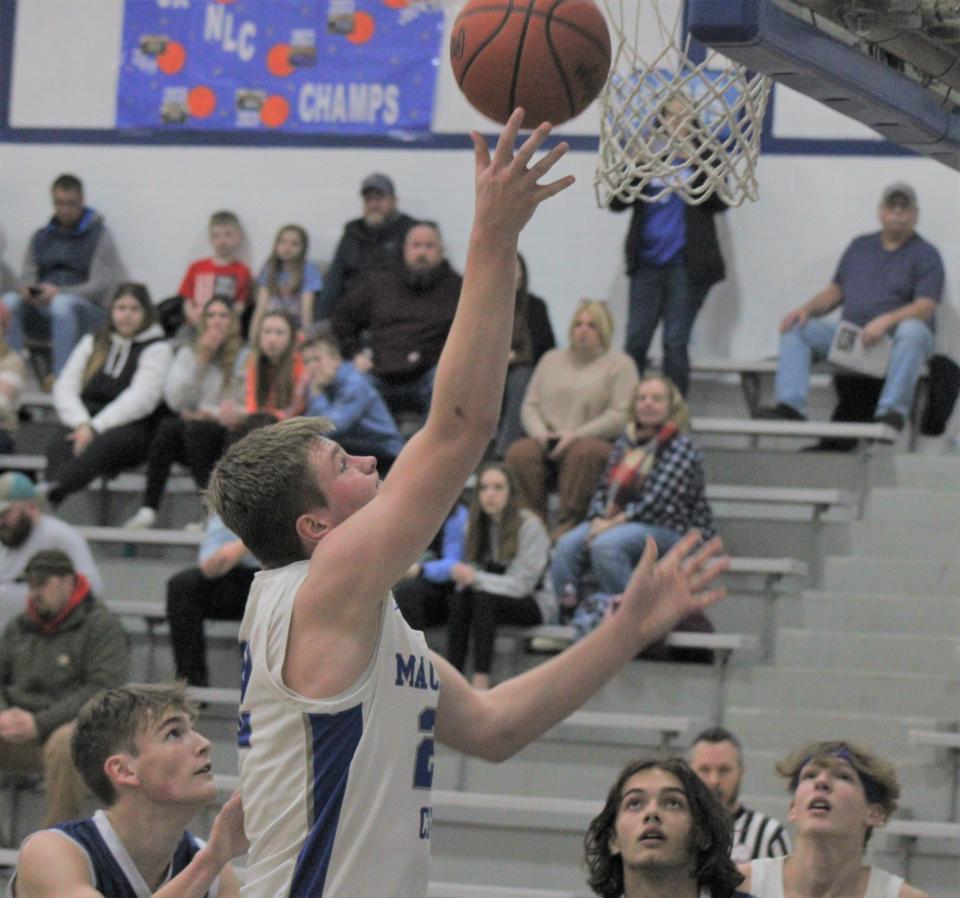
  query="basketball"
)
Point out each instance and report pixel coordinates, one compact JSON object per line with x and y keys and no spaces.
{"x":549,"y":56}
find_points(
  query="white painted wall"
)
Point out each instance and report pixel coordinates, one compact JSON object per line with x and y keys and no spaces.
{"x":779,"y":250}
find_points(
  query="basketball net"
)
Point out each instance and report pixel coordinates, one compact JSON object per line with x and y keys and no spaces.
{"x":670,"y":125}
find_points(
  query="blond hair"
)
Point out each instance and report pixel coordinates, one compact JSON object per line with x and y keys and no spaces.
{"x":601,"y":317}
{"x":677,"y":410}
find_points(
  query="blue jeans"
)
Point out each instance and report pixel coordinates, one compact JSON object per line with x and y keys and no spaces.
{"x":801,"y":346}
{"x":664,"y":292}
{"x":612,"y":556}
{"x":68,"y":318}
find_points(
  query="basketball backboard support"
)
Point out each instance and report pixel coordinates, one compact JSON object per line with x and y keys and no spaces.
{"x":814,"y":53}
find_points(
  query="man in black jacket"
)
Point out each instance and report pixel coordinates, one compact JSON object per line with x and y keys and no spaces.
{"x":373,"y":242}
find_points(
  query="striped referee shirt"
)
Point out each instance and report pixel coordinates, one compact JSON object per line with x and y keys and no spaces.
{"x":757,"y":836}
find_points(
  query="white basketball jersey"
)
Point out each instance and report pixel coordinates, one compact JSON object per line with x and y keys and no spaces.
{"x":766,"y":880}
{"x":336,"y":792}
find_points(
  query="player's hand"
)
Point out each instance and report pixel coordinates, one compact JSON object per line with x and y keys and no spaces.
{"x":794,"y":318}
{"x":662,"y":593}
{"x":506,"y":183}
{"x":227,"y":838}
{"x":875,"y":330}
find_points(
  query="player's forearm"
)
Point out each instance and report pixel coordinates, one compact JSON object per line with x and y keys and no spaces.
{"x":470,"y":376}
{"x":527,"y":706}
{"x":196,"y":878}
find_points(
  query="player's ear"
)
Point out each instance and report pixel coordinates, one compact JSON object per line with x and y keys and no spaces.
{"x":876,"y":815}
{"x":312,"y":527}
{"x":613,"y":844}
{"x":121,"y":771}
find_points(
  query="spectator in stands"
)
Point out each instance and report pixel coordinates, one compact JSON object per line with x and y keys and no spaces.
{"x":673,"y":259}
{"x":11,"y":382}
{"x":653,"y":486}
{"x":8,"y":280}
{"x":64,"y":648}
{"x":108,"y":398}
{"x":275,"y":372}
{"x":369,"y":244}
{"x":71,"y":269}
{"x":577,"y":403}
{"x":287,"y":281}
{"x":532,"y":337}
{"x":661,"y":832}
{"x":407,"y":312}
{"x":335,"y":390}
{"x":24,"y":531}
{"x":840,"y":792}
{"x":221,"y":275}
{"x":216,"y":589}
{"x":424,"y":594}
{"x":505,"y":556}
{"x":138,"y":751}
{"x":717,"y":758}
{"x":888,"y":283}
{"x":204,"y":387}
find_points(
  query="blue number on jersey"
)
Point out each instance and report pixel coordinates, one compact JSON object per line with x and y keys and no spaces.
{"x":423,"y":771}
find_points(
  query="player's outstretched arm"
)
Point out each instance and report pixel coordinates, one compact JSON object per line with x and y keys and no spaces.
{"x":496,"y":724}
{"x":366,"y":554}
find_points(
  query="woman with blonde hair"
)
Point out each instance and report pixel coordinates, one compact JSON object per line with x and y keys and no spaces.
{"x":204,"y":388}
{"x":653,"y":486}
{"x":577,"y":403}
{"x":108,"y":396}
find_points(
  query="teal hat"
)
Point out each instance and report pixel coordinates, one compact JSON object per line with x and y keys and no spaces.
{"x":15,"y":487}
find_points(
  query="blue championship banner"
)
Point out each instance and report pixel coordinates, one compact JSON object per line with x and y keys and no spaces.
{"x":295,"y":66}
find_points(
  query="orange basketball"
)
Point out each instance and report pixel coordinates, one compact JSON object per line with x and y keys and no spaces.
{"x":549,"y":56}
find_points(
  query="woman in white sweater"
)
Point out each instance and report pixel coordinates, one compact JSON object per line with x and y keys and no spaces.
{"x":204,"y":388}
{"x":108,"y":396}
{"x":505,"y":556}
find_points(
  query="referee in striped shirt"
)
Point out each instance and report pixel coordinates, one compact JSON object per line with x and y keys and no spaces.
{"x":717,"y":758}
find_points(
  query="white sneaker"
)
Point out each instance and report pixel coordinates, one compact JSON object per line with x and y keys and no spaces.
{"x":196,"y":526}
{"x":144,"y":519}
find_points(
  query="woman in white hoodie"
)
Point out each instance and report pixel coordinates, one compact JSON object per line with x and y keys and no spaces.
{"x":108,"y":395}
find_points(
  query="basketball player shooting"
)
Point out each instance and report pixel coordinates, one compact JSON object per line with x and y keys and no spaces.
{"x":340,"y":700}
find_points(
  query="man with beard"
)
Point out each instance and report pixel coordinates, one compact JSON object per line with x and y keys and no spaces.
{"x":24,"y":531}
{"x":370,"y":243}
{"x":717,"y":758}
{"x":407,"y":315}
{"x":54,"y":656}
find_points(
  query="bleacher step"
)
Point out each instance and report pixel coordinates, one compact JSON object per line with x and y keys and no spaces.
{"x":933,"y":472}
{"x":894,"y":576}
{"x":931,"y":507}
{"x":901,"y":541}
{"x":919,"y":614}
{"x":841,"y":689}
{"x":868,"y":651}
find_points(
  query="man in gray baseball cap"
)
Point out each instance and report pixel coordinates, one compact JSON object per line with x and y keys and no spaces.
{"x":373,"y":242}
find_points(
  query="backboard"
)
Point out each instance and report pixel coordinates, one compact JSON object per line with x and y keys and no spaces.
{"x":892,"y":67}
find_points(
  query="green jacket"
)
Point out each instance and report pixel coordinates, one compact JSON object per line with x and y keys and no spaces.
{"x":51,"y":676}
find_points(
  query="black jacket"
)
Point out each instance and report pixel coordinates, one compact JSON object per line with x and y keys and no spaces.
{"x":702,"y":251}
